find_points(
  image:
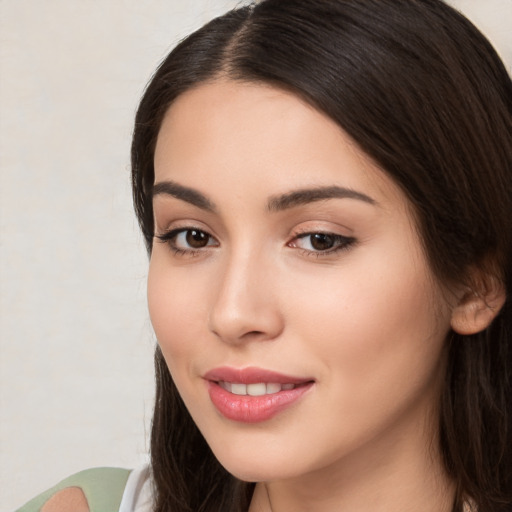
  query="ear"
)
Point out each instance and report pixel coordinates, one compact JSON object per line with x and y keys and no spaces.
{"x":478,"y":306}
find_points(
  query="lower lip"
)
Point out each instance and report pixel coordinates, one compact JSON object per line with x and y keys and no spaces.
{"x":254,"y":409}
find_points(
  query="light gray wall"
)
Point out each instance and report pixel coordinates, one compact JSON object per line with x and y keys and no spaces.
{"x":76,"y":344}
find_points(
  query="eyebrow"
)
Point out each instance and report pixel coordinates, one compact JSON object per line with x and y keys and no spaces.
{"x":310,"y":195}
{"x":275,"y":203}
{"x":186,"y":194}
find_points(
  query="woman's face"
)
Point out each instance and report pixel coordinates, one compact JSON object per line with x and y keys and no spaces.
{"x":288,"y":289}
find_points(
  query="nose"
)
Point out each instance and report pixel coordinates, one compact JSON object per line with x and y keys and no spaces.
{"x":245,"y":305}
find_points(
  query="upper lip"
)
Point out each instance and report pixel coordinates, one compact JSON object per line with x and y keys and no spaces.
{"x":251,"y":375}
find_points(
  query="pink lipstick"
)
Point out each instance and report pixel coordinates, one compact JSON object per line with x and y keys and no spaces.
{"x":252,"y":395}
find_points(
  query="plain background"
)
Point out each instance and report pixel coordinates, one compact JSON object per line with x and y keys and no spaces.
{"x":76,"y":379}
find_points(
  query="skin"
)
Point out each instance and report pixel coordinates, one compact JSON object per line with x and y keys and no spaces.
{"x":367,"y":322}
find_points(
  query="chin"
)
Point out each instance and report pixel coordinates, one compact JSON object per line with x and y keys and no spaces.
{"x":258,"y":465}
{"x":250,"y":472}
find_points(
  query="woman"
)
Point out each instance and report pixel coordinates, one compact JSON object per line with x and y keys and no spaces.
{"x":325,"y":193}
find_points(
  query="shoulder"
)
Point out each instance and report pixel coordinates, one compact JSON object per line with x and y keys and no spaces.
{"x":68,"y":499}
{"x":92,"y":490}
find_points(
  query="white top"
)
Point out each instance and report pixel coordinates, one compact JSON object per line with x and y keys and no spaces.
{"x":138,"y":493}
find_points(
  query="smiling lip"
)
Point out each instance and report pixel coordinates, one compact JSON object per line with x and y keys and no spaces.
{"x":252,"y":395}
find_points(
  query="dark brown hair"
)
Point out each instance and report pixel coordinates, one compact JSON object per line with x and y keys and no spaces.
{"x":425,"y":95}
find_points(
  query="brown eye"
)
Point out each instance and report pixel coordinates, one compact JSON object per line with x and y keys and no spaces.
{"x":188,"y":240}
{"x":322,"y":241}
{"x":196,"y":239}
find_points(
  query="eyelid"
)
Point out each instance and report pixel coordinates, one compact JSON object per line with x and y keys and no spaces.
{"x":169,"y":236}
{"x":342,"y":242}
{"x":168,"y":224}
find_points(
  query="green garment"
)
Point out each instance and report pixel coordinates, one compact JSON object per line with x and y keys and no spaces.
{"x":103,"y":488}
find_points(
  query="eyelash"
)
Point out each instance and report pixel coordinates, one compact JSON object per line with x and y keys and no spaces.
{"x":341,"y":243}
{"x":169,"y":238}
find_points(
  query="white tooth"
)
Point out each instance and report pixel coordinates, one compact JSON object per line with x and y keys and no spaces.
{"x":273,"y":388}
{"x":288,"y":386}
{"x":258,"y":389}
{"x":225,"y":385}
{"x":238,"y":389}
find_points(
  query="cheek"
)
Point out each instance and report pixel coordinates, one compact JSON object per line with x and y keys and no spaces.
{"x":379,"y":346}
{"x":367,"y":302}
{"x":174,"y":310}
{"x":375,"y":328}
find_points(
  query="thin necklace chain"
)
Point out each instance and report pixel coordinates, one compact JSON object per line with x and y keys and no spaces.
{"x":268,"y":498}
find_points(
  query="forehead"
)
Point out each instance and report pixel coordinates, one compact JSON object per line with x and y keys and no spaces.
{"x":246,"y":132}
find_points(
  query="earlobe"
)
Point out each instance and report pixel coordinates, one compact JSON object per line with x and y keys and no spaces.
{"x":477,"y":308}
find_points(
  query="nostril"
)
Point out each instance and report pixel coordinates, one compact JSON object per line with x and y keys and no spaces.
{"x":253,"y":334}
